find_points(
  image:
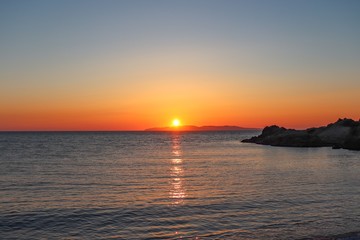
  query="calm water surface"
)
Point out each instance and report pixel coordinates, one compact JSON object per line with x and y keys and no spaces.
{"x":171,"y":186}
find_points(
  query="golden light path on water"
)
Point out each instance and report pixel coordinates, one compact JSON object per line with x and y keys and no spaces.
{"x":177,"y":190}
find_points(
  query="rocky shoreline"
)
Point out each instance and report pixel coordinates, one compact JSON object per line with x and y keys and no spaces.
{"x":345,"y":133}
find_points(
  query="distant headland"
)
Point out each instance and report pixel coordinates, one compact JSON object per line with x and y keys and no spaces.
{"x":190,"y":128}
{"x":345,"y":133}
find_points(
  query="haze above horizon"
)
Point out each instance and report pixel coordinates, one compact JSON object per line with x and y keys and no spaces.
{"x":128,"y":65}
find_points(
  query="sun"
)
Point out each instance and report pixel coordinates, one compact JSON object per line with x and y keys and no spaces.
{"x":176,"y":122}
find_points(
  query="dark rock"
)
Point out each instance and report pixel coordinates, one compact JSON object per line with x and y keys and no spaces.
{"x":345,"y":133}
{"x":272,"y":130}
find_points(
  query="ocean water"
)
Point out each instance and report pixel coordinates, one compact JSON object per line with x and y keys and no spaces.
{"x":139,"y":185}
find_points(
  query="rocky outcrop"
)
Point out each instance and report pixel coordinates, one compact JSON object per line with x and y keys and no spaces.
{"x":345,"y":133}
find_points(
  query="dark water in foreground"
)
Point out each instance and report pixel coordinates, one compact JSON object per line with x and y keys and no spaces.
{"x":168,"y":185}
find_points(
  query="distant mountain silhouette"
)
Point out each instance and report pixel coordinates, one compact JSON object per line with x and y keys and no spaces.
{"x":191,"y":128}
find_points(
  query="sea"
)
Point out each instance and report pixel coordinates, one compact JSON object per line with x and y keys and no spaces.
{"x":173,"y":185}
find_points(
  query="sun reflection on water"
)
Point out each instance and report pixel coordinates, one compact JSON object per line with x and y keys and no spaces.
{"x":177,"y":190}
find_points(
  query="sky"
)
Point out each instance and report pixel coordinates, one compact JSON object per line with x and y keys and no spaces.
{"x":131,"y":65}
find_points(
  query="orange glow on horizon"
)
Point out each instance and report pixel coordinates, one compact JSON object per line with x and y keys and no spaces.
{"x":151,"y":106}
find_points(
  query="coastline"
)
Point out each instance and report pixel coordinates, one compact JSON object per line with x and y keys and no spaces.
{"x":344,"y":133}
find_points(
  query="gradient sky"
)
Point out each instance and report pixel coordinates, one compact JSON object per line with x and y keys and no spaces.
{"x":130,"y":65}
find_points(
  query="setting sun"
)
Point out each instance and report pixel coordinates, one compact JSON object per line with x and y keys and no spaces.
{"x":176,"y":122}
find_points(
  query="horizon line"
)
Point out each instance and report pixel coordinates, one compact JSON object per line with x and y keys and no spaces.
{"x":144,"y":130}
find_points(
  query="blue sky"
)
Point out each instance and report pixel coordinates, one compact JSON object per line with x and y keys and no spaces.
{"x":49,"y":47}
